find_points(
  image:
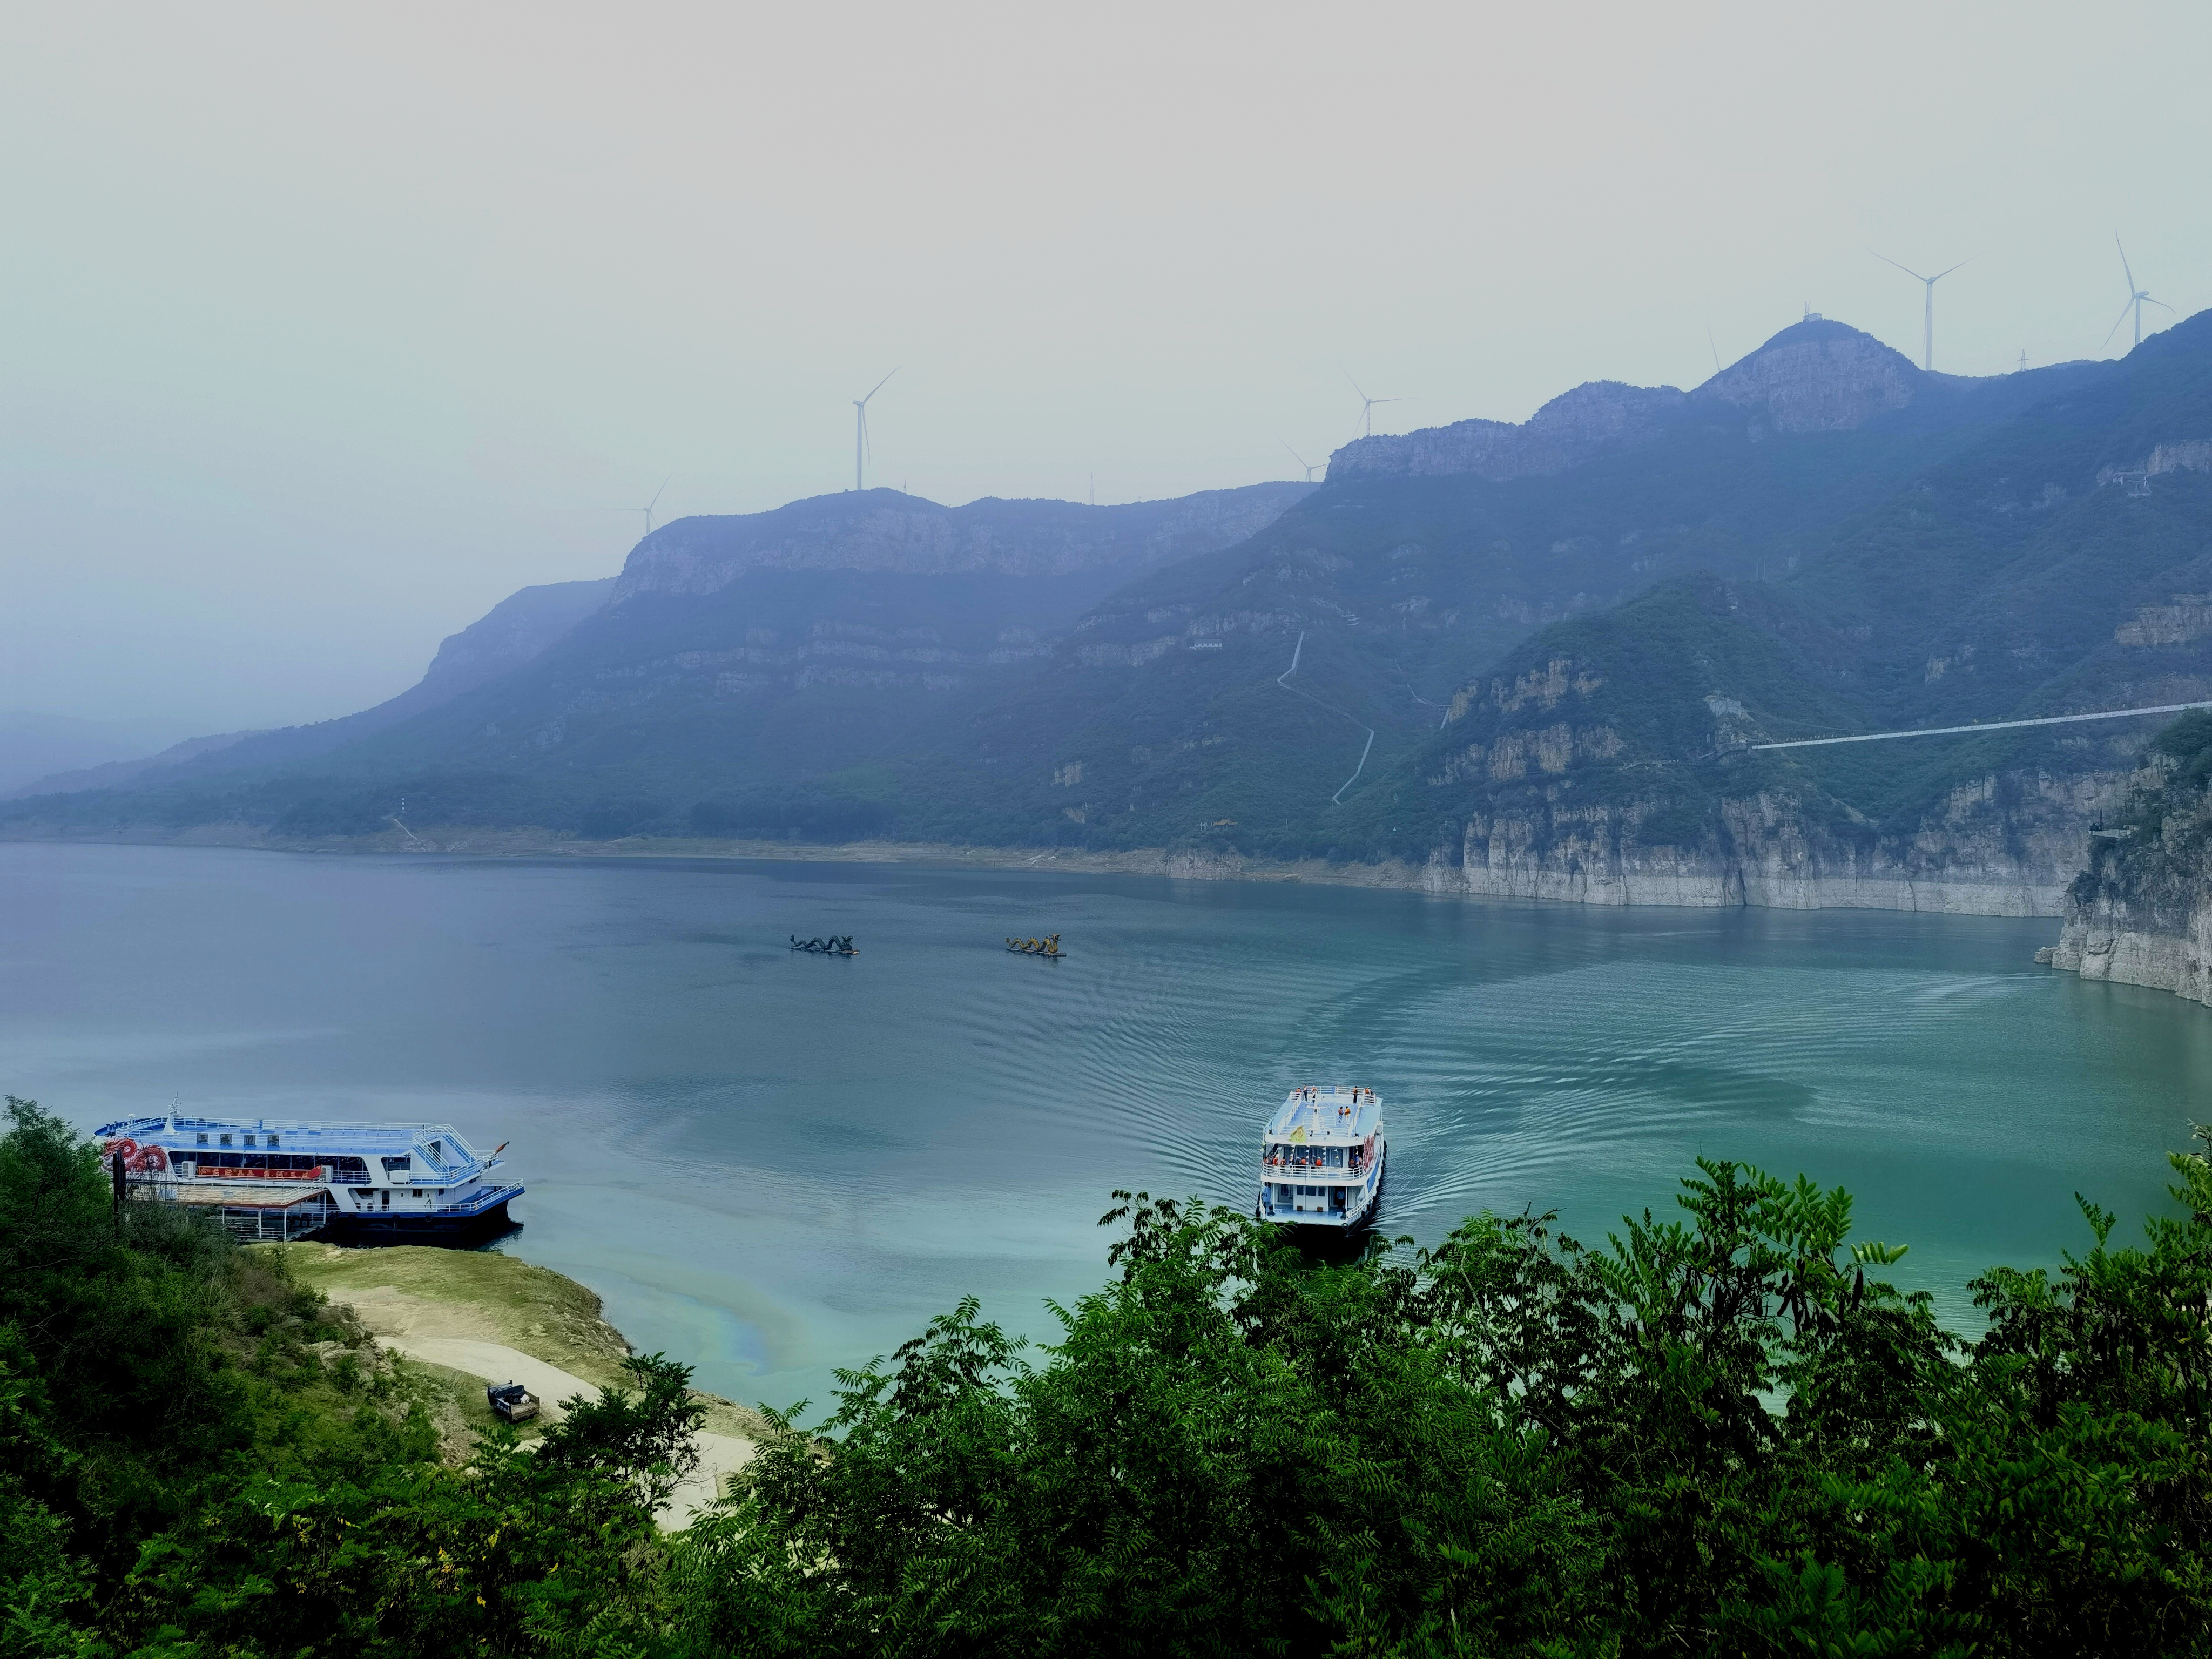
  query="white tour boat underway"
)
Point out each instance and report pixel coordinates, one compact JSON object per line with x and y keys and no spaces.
{"x":1321,"y":1157}
{"x":394,"y":1183}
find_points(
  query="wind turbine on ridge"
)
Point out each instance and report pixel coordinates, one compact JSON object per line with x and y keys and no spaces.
{"x":1302,"y":460}
{"x":2136,"y":299}
{"x":648,"y":508}
{"x":861,"y":450}
{"x":1928,"y":315}
{"x":1367,"y":409}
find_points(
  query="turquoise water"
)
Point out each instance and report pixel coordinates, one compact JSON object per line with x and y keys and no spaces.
{"x":772,"y":1165}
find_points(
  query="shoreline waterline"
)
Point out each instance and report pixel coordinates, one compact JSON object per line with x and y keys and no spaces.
{"x":1437,"y":878}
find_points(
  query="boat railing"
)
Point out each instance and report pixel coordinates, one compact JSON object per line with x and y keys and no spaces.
{"x":397,"y":1137}
{"x":478,"y":1198}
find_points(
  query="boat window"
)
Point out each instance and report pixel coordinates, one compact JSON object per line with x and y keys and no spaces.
{"x":223,"y":1139}
{"x":272,"y":1140}
{"x":203,"y":1140}
{"x":392,"y":1163}
{"x":249,"y":1140}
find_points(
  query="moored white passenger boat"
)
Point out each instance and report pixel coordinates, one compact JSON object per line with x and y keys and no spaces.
{"x":394,"y":1183}
{"x":1321,"y":1158}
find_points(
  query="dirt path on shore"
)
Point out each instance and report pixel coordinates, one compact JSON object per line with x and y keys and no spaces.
{"x":488,"y":1315}
{"x":720,"y":1455}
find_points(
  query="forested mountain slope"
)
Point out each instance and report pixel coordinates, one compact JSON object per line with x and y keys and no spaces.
{"x":1551,"y":630}
{"x":2061,"y":563}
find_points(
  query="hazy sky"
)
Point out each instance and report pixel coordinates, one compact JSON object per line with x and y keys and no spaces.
{"x":328,"y":326}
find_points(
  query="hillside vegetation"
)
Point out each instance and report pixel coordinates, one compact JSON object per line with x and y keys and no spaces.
{"x":1721,"y":1433}
{"x":1575,"y":646}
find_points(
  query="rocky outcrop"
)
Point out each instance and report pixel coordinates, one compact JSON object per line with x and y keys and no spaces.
{"x":2005,"y":846}
{"x":2142,"y":913}
{"x":1818,"y":376}
{"x":1814,"y":376}
{"x":884,"y":530}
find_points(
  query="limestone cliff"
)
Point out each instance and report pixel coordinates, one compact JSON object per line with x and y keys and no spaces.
{"x":2142,"y":913}
{"x":2006,"y":845}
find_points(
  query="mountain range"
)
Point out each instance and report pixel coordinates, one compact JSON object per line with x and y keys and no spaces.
{"x":1512,"y":659}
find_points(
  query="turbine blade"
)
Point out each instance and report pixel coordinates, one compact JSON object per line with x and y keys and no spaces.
{"x":1355,"y":384}
{"x":881,"y":384}
{"x":2123,"y":267}
{"x":1295,"y":456}
{"x":655,"y":502}
{"x":1940,"y":275}
{"x":1907,"y":270}
{"x":2115,"y":328}
{"x":2160,"y":304}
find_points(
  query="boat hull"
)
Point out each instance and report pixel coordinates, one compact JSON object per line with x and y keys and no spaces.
{"x":488,"y":1223}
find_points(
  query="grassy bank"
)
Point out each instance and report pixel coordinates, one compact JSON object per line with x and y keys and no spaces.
{"x":416,"y":1291}
{"x":476,"y":1294}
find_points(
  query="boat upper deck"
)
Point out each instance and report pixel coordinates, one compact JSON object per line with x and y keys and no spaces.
{"x":1329,"y":1115}
{"x":437,"y":1144}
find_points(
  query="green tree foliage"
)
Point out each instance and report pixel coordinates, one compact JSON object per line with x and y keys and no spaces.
{"x":199,"y":1458}
{"x":1721,"y":1432}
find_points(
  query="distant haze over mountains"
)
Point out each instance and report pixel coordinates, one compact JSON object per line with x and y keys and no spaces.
{"x":34,"y":745}
{"x":514,"y":631}
{"x":1553,"y":630}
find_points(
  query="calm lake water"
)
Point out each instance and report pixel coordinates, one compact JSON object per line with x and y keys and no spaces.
{"x":772,"y":1165}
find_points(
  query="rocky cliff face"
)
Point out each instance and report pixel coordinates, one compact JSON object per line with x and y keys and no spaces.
{"x":1815,"y":376}
{"x":2157,"y":934}
{"x":2005,"y":846}
{"x":2142,"y":913}
{"x":882,"y":530}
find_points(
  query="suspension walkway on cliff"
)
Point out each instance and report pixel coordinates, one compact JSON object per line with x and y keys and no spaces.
{"x":1985,"y":725}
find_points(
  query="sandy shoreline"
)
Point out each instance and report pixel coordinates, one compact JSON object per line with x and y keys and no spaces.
{"x":500,"y":1319}
{"x":1176,"y":864}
